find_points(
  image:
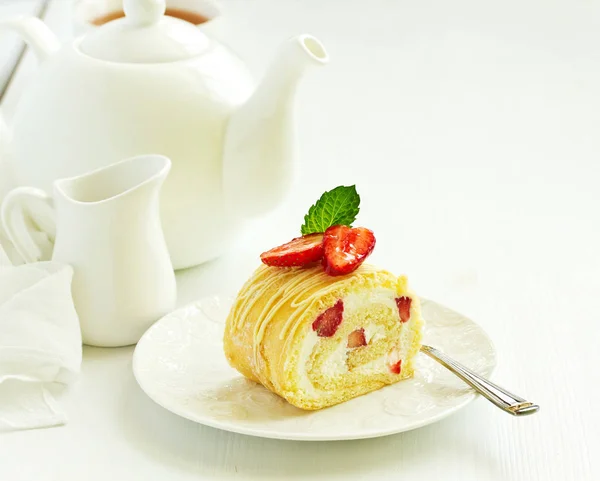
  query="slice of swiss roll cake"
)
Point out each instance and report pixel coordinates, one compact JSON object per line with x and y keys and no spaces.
{"x":315,"y":324}
{"x":319,"y":340}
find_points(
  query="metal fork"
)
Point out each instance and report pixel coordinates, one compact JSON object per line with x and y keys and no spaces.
{"x":512,"y":404}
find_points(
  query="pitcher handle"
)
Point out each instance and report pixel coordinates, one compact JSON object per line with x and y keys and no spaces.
{"x":20,"y":221}
{"x":35,"y":32}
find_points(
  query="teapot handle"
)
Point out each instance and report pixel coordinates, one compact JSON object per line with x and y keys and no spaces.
{"x":35,"y":32}
{"x":22,"y":223}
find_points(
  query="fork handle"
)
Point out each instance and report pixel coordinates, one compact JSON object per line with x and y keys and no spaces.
{"x":505,"y":400}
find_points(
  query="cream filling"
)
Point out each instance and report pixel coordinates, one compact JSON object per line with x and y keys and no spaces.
{"x":308,"y":345}
{"x":373,"y":333}
{"x":380,"y":295}
{"x":336,"y":365}
{"x":381,"y":363}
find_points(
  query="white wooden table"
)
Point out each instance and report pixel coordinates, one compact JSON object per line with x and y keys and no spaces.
{"x":472,"y":132}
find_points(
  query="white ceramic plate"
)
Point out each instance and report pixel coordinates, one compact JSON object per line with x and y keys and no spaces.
{"x":179,"y":363}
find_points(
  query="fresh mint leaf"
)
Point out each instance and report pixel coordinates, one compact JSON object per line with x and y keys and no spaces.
{"x":338,"y":206}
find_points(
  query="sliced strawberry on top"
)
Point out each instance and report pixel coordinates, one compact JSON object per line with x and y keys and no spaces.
{"x":357,"y":338}
{"x":328,"y":321}
{"x":300,"y":251}
{"x":403,"y":304}
{"x":346,"y":248}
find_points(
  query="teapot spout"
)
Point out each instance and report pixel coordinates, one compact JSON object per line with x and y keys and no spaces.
{"x":260,"y":144}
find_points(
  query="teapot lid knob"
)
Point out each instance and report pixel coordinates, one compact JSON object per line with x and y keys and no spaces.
{"x":146,"y":35}
{"x":144,"y":12}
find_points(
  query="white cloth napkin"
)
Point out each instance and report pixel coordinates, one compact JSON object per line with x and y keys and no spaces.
{"x":40,"y":343}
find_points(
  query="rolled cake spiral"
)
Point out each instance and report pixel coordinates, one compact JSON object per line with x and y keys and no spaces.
{"x":318,"y":340}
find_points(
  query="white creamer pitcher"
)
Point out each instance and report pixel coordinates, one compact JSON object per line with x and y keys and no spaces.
{"x":106,"y":225}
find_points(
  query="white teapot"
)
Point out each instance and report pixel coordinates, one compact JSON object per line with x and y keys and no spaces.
{"x":152,"y":84}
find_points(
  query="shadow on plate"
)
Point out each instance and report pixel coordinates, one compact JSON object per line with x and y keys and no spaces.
{"x":244,"y":400}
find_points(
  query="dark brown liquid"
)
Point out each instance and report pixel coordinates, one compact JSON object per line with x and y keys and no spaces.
{"x":192,"y":17}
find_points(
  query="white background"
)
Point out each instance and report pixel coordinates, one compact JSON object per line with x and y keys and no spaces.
{"x":471,"y":129}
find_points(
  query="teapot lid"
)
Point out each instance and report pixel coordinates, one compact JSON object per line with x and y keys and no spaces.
{"x":145,"y":35}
